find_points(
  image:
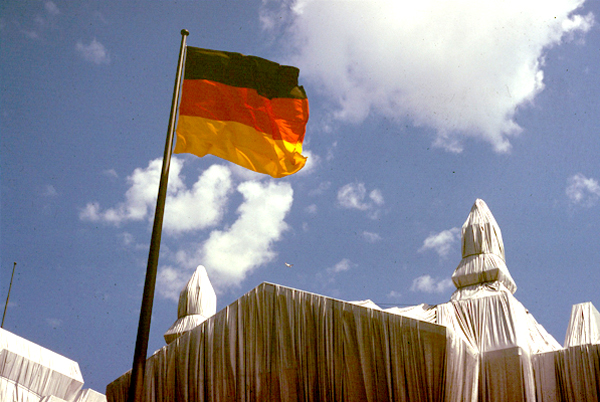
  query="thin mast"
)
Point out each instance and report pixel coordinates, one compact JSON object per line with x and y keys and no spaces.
{"x":8,"y":296}
{"x":136,"y":386}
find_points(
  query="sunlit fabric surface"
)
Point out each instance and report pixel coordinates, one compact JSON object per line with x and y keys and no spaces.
{"x":281,"y":344}
{"x":30,"y":373}
{"x":277,"y":343}
{"x":423,"y":312}
{"x":482,"y":247}
{"x":584,"y":326}
{"x":86,"y":395}
{"x":197,"y":302}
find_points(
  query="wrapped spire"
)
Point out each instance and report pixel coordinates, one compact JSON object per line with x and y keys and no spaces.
{"x":197,"y":302}
{"x":483,"y":258}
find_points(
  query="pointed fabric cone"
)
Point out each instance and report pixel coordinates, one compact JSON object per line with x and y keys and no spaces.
{"x":584,"y":327}
{"x":197,"y":302}
{"x":482,"y":251}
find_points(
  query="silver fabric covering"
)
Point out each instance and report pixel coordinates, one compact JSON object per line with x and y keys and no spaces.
{"x":281,"y":344}
{"x":31,"y":373}
{"x":197,"y":302}
{"x":584,"y":326}
{"x":482,"y":247}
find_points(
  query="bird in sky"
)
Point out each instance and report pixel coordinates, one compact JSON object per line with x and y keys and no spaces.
{"x":288,"y":265}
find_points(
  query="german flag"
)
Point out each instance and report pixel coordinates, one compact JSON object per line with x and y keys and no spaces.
{"x":245,"y":109}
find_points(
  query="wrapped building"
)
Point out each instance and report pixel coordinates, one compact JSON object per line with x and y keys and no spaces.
{"x":282,"y":344}
{"x":31,"y":373}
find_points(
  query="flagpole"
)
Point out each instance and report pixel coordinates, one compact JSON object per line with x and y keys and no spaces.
{"x":8,"y":297}
{"x":136,"y":385}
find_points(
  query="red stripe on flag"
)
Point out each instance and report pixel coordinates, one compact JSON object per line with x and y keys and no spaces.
{"x":281,"y":118}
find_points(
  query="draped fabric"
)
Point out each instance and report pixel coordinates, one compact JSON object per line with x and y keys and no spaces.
{"x":31,"y":373}
{"x":28,"y":376}
{"x":570,"y":374}
{"x":504,"y":335}
{"x":281,"y":344}
{"x":584,"y":326}
{"x":482,"y":247}
{"x":197,"y":302}
{"x":492,"y":321}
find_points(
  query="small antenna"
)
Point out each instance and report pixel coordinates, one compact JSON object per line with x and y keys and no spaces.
{"x":8,"y":296}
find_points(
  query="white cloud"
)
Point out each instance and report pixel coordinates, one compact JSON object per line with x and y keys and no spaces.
{"x":31,"y":34}
{"x":186,"y":209}
{"x":582,"y":191}
{"x":351,"y":196}
{"x":170,"y":281}
{"x":244,"y":174}
{"x":331,"y":151}
{"x":228,"y":254}
{"x":50,"y":191}
{"x":312,"y":163}
{"x":91,"y":212}
{"x":442,"y":242}
{"x":127,"y":238}
{"x":100,"y":17}
{"x":394,"y":295}
{"x":462,"y":67}
{"x":371,"y":237}
{"x":42,"y":23}
{"x":201,"y":206}
{"x":95,"y":52}
{"x":311,"y":209}
{"x":231,"y":254}
{"x":427,"y":284}
{"x":376,"y":196}
{"x":354,"y":196}
{"x":51,"y":8}
{"x":328,"y":276}
{"x":110,"y":173}
{"x":54,"y":322}
{"x":323,"y":186}
{"x":342,"y":266}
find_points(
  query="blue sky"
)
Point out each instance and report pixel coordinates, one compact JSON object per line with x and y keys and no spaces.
{"x":416,"y":111}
